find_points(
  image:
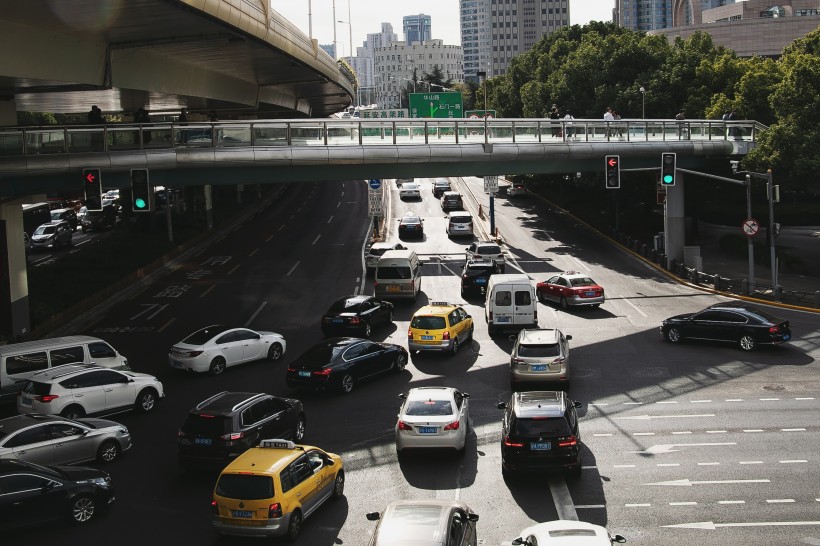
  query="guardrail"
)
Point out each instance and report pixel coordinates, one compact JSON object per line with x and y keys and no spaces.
{"x":24,"y":141}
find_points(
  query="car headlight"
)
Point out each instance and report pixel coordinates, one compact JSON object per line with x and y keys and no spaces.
{"x":122,"y":431}
{"x":99,"y":482}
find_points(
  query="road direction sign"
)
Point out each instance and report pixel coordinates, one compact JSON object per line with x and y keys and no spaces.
{"x":490,"y":184}
{"x":375,"y":184}
{"x":751,"y":227}
{"x":436,"y":105}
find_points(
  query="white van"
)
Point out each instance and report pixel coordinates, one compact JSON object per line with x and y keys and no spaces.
{"x":511,"y":303}
{"x":398,"y":275}
{"x":18,"y":361}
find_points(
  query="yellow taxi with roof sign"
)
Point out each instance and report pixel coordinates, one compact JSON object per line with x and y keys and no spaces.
{"x":440,"y":326}
{"x":269,"y":490}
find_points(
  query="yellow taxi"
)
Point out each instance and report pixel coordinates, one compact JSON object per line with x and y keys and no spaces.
{"x":269,"y":490}
{"x":440,"y":326}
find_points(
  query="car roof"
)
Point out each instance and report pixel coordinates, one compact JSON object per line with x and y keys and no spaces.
{"x":540,"y":335}
{"x":12,"y":424}
{"x":354,"y":299}
{"x":451,"y":193}
{"x":383,"y":245}
{"x":56,"y":373}
{"x":460,"y":213}
{"x":442,"y":181}
{"x":431,"y":393}
{"x":568,"y":533}
{"x":53,"y":223}
{"x":404,"y":521}
{"x":61,"y":210}
{"x":539,"y":403}
{"x":227,"y":402}
{"x":436,"y":308}
{"x":572,"y":274}
{"x":265,"y":460}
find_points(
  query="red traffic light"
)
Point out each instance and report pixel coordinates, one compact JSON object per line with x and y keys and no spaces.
{"x":612,"y":161}
{"x":90,"y":178}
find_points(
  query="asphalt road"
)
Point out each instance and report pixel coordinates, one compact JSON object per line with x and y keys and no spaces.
{"x":673,"y":435}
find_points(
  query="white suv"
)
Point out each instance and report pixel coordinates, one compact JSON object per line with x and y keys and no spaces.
{"x":487,"y":250}
{"x":77,"y":390}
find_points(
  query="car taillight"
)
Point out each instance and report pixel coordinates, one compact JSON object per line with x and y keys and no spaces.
{"x":404,"y":426}
{"x":47,"y":397}
{"x":355,"y":320}
{"x":410,"y":333}
{"x":375,"y":284}
{"x":510,"y":443}
{"x":275,"y":510}
{"x":291,"y":370}
{"x":569,"y":441}
{"x":214,"y":508}
{"x":194,"y":353}
{"x":452,"y":426}
{"x":446,"y":335}
{"x":559,"y":360}
{"x":181,"y":434}
{"x":490,"y":319}
{"x":233,"y":436}
{"x":324,"y":372}
{"x":774,"y":329}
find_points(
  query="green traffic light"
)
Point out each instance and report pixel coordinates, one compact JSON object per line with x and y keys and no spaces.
{"x":139,"y":202}
{"x":667,"y":178}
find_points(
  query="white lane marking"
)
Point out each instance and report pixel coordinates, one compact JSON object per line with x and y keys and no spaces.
{"x":632,"y":305}
{"x":330,"y":219}
{"x":753,"y":430}
{"x":255,"y":250}
{"x":259,"y":310}
{"x":207,"y":290}
{"x":734,"y":400}
{"x":234,"y":268}
{"x":732,"y":502}
{"x":316,"y":239}
{"x":292,"y":268}
{"x":805,"y":398}
{"x":750,"y":462}
{"x":458,"y":482}
{"x":689,"y":503}
{"x":648,"y":417}
{"x":166,"y":325}
{"x":607,"y":434}
{"x":599,"y":404}
{"x":686,"y":482}
{"x":632,"y":403}
{"x":637,"y":505}
{"x":589,"y":506}
{"x":339,"y":204}
{"x":777,"y":501}
{"x":281,"y":227}
{"x":667,"y":402}
{"x":768,"y":399}
{"x":682,"y":432}
{"x":623,"y":466}
{"x":593,"y":467}
{"x":793,"y":461}
{"x":699,"y":401}
{"x":668,"y":464}
{"x":793,"y":429}
{"x":715,"y":431}
{"x":711,"y":525}
{"x":708,"y":464}
{"x":668,"y":448}
{"x":269,"y":238}
{"x":562,"y":499}
{"x":579,"y":262}
{"x":644,"y":434}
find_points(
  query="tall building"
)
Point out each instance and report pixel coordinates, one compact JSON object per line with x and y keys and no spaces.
{"x":647,"y":15}
{"x":395,"y":65}
{"x":516,"y":25}
{"x":363,"y":62}
{"x":417,"y":28}
{"x":475,"y":37}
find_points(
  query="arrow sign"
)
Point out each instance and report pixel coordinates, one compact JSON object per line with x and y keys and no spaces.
{"x":648,"y":417}
{"x":667,"y":448}
{"x":90,"y":178}
{"x":688,"y":483}
{"x":612,"y":162}
{"x":711,"y":525}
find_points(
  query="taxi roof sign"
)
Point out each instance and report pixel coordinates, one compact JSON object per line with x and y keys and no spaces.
{"x":277,"y":444}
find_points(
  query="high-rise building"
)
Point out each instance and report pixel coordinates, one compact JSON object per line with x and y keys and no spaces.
{"x":475,"y":37}
{"x":417,"y":28}
{"x":395,"y":66}
{"x":363,"y":62}
{"x":647,"y":14}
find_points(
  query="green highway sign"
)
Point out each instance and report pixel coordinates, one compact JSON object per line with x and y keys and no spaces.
{"x":436,"y":105}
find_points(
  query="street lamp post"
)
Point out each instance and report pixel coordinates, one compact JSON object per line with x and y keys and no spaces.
{"x":412,"y":81}
{"x":643,"y":102}
{"x":771,"y":195}
{"x":335,"y":53}
{"x":482,"y":75}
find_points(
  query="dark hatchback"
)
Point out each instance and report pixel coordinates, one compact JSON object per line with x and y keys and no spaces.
{"x":540,"y":432}
{"x":31,"y":494}
{"x":738,"y":323}
{"x":475,"y":275}
{"x":357,"y":314}
{"x":229,"y":423}
{"x":339,"y":363}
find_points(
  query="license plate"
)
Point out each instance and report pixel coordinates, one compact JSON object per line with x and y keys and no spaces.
{"x":303,"y":373}
{"x":502,"y":319}
{"x":338,"y":321}
{"x":203,"y":441}
{"x":540,"y":446}
{"x":427,"y":338}
{"x":176,"y":364}
{"x":428,"y":430}
{"x":481,"y":280}
{"x":242,"y":513}
{"x":589,"y":293}
{"x":787,"y":337}
{"x":539,"y":367}
{"x":25,"y":401}
{"x":394,"y":288}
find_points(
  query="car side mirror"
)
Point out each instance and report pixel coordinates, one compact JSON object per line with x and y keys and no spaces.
{"x":472,"y":517}
{"x":618,"y":538}
{"x":329,"y":462}
{"x":569,"y":337}
{"x":502,"y":405}
{"x":577,"y":405}
{"x":402,"y":395}
{"x":465,"y":394}
{"x":520,"y":541}
{"x":373,"y":516}
{"x":512,"y":337}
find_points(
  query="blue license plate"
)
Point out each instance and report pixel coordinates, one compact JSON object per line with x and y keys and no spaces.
{"x":539,"y":367}
{"x":242,"y":513}
{"x":540,"y":446}
{"x":787,"y":337}
{"x":502,"y":319}
{"x":481,"y":280}
{"x":589,"y":293}
{"x":428,"y":430}
{"x":203,"y":441}
{"x":303,"y":373}
{"x":176,"y":364}
{"x":427,"y":338}
{"x":338,"y":321}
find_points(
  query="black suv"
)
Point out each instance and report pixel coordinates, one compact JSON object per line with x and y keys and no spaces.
{"x":475,"y":275}
{"x":31,"y":494}
{"x":540,"y":432}
{"x":227,"y":424}
{"x":99,"y":219}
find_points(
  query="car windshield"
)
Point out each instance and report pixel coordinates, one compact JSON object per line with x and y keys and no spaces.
{"x":346,"y":305}
{"x":428,"y":322}
{"x":44,"y":230}
{"x":539,"y":351}
{"x":55,"y":215}
{"x":245,"y":487}
{"x":480,"y":268}
{"x":541,"y":426}
{"x":393,"y":272}
{"x":201,"y":337}
{"x":489,"y":249}
{"x":409,"y":221}
{"x":429,"y":407}
{"x":582,"y":281}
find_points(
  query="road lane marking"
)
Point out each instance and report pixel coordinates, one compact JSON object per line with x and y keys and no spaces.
{"x":732,"y":502}
{"x":255,"y":250}
{"x":682,"y":432}
{"x":632,"y":403}
{"x":644,"y":434}
{"x":750,"y":462}
{"x":259,"y":310}
{"x":330,"y":219}
{"x":632,"y":305}
{"x":708,"y":464}
{"x":668,"y":448}
{"x":667,"y":402}
{"x":623,"y":466}
{"x":753,"y":430}
{"x":686,"y":482}
{"x":734,"y":400}
{"x":637,"y":505}
{"x":269,"y":238}
{"x":580,"y":263}
{"x":589,"y":506}
{"x":207,"y":291}
{"x":768,"y":399}
{"x":805,"y":398}
{"x":234,"y":268}
{"x":668,"y":464}
{"x":562,"y":499}
{"x":316,"y":239}
{"x":793,"y":461}
{"x":715,"y":432}
{"x":779,"y":501}
{"x":711,"y":525}
{"x":166,"y":325}
{"x":699,"y":401}
{"x":688,"y":503}
{"x":601,"y":435}
{"x":793,"y":429}
{"x":292,"y":268}
{"x":681,"y":416}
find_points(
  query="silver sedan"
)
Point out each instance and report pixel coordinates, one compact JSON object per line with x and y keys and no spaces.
{"x":51,"y":440}
{"x":436,"y":417}
{"x":214,"y":348}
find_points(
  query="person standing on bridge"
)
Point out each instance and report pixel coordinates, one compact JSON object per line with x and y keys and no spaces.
{"x":95,"y":116}
{"x":568,"y":124}
{"x":556,"y":128}
{"x":609,"y":118}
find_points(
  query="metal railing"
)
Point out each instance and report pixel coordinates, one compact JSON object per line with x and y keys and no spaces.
{"x":17,"y":141}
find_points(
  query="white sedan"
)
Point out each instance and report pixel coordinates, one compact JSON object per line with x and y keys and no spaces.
{"x":566,"y":532}
{"x":214,"y":348}
{"x":410,"y":190}
{"x":435,"y":417}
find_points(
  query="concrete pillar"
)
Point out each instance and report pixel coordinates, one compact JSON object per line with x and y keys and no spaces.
{"x":15,"y":318}
{"x":209,"y":207}
{"x":8,"y":113}
{"x":674,"y":229}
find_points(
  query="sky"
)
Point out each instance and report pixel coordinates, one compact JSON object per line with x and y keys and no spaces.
{"x":368,"y":15}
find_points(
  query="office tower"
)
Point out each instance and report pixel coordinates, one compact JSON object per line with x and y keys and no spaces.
{"x":417,"y":28}
{"x":647,"y":14}
{"x":475,"y":37}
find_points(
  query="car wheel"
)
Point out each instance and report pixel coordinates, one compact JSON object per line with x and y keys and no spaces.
{"x":454,"y":350}
{"x":339,"y":485}
{"x":217,"y":366}
{"x":295,"y":525}
{"x":108,"y":452}
{"x":72,"y":412}
{"x":367,"y":330}
{"x":401,"y":362}
{"x":346,"y":384}
{"x":82,"y":509}
{"x":674,"y":335}
{"x":299,"y":431}
{"x":146,"y":400}
{"x":275,"y":352}
{"x":564,"y":303}
{"x":747,"y":343}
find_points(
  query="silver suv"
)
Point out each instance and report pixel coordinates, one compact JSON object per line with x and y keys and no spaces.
{"x":540,"y":355}
{"x":52,"y":235}
{"x":77,"y":390}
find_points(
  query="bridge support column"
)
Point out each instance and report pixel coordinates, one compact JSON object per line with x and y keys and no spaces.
{"x":15,"y":320}
{"x":8,"y":113}
{"x":209,"y":207}
{"x":674,"y":228}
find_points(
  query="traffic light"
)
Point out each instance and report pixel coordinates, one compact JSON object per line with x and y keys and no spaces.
{"x":92,"y":189}
{"x":140,"y":191}
{"x":668,"y":169}
{"x":613,"y":172}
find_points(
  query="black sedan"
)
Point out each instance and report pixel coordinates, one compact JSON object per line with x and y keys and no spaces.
{"x":32,"y":495}
{"x":341,"y":362}
{"x":475,"y":276}
{"x":733,"y":322}
{"x":411,"y":225}
{"x":356,"y":314}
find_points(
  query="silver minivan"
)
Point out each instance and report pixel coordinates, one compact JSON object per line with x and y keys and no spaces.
{"x":398,"y":275}
{"x":459,"y":223}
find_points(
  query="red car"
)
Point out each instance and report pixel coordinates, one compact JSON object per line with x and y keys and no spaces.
{"x":570,"y":288}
